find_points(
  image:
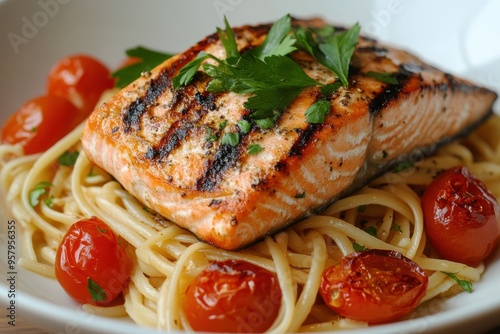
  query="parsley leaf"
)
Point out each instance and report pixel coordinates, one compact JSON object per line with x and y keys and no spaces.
{"x":187,"y":73}
{"x":68,"y":158}
{"x":317,"y":111}
{"x":466,"y":285}
{"x":148,"y":59}
{"x":244,"y":126}
{"x":402,"y":166}
{"x":96,"y":292}
{"x":231,"y":138}
{"x":371,"y":230}
{"x":228,"y":40}
{"x":333,"y":50}
{"x":40,"y":189}
{"x":254,"y":149}
{"x":383,"y":77}
{"x":396,"y":227}
{"x":358,"y":248}
{"x":278,"y":41}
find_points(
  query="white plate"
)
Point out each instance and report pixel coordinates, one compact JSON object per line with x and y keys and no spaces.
{"x":34,"y":34}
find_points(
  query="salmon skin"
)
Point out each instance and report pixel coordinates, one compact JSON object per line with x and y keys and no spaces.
{"x":163,"y":145}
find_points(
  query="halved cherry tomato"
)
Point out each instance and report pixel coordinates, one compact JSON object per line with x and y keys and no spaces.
{"x":81,"y":79}
{"x":91,"y":264}
{"x":462,"y":218}
{"x":40,"y":123}
{"x":232,"y":297}
{"x":374,"y":286}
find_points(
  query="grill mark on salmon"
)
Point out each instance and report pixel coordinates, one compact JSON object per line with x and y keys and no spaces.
{"x":224,"y":159}
{"x":153,"y":139}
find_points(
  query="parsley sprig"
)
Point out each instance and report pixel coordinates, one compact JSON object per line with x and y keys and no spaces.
{"x":272,"y":78}
{"x":147,"y":59}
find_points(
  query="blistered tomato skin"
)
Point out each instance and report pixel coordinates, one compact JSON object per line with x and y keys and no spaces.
{"x":40,"y":123}
{"x":81,"y":79}
{"x":461,"y":217}
{"x":233,"y":297}
{"x":374,"y":286}
{"x":91,"y":264}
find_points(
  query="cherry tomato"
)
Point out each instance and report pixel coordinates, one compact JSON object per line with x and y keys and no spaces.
{"x":91,"y":264}
{"x":233,"y":296}
{"x":81,"y":79}
{"x":40,"y":123}
{"x":461,"y":217}
{"x":374,"y":286}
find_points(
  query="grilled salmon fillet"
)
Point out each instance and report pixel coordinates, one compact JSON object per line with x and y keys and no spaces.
{"x":153,"y":139}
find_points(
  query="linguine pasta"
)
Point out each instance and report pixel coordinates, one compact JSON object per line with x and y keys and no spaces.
{"x":385,"y":214}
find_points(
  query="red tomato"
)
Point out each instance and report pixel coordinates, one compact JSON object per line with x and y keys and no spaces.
{"x":91,"y":265}
{"x":233,"y":296}
{"x":81,"y":79}
{"x":462,"y":218}
{"x":374,"y":286}
{"x":40,"y":123}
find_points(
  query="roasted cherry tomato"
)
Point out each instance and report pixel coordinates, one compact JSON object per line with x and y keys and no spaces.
{"x":81,"y":79}
{"x":91,"y":264}
{"x":462,"y":218}
{"x":374,"y":286}
{"x":233,"y":297}
{"x":40,"y":123}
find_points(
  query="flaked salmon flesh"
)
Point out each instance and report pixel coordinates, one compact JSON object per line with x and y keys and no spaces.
{"x":153,"y":139}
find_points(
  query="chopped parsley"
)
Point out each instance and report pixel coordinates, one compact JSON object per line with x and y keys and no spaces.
{"x":383,"y":77}
{"x":358,"y":248}
{"x":402,"y":166}
{"x":96,"y":292}
{"x":68,"y":158}
{"x":396,"y":227}
{"x":254,"y":149}
{"x":466,"y":285}
{"x":371,"y":230}
{"x":40,"y":189}
{"x":231,"y":138}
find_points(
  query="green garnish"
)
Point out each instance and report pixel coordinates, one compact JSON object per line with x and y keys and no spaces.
{"x":317,"y":112}
{"x":371,"y":230}
{"x":228,"y":40}
{"x":466,"y":285}
{"x":402,"y":166}
{"x":96,"y":292}
{"x":330,"y":48}
{"x":148,"y":59}
{"x":210,"y":136}
{"x":361,"y":208}
{"x":272,"y":78}
{"x":383,"y":77}
{"x":68,"y":158}
{"x":358,"y":248}
{"x":396,"y":227}
{"x":49,"y":201}
{"x":244,"y":126}
{"x":223,"y":124}
{"x":254,"y":149}
{"x":384,"y":154}
{"x":40,"y":189}
{"x":231,"y":138}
